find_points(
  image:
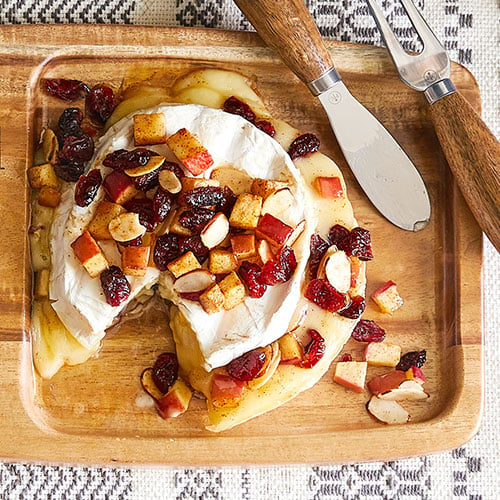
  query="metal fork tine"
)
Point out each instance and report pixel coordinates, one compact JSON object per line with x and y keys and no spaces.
{"x":427,"y":36}
{"x":398,"y":54}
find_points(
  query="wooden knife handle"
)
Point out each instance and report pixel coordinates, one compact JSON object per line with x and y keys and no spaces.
{"x":473,"y":154}
{"x":287,"y":26}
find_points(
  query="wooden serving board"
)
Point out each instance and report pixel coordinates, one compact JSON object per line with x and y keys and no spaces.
{"x":90,"y":413}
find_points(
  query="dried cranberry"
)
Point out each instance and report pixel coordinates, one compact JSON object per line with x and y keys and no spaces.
{"x":313,"y":351}
{"x":146,"y":182}
{"x":266,"y":127}
{"x":250,"y":274}
{"x":76,"y":149}
{"x":196,"y":219}
{"x":136,"y":242}
{"x":360,"y":244}
{"x":87,"y":187}
{"x":66,"y":90}
{"x":345,"y":357}
{"x":165,"y":371}
{"x":115,"y":286}
{"x":143,"y":207}
{"x":100,"y":103}
{"x":325,"y":296}
{"x":162,"y":204}
{"x":88,"y":127}
{"x":70,"y":121}
{"x":204,"y":196}
{"x":166,"y":250}
{"x":318,"y":248}
{"x":339,"y":236}
{"x":303,"y":145}
{"x":247,"y":366}
{"x":280,"y":269}
{"x":229,"y":199}
{"x":355,"y":308}
{"x":69,"y":172}
{"x":195,"y":245}
{"x":368,"y":331}
{"x":236,"y":107}
{"x":413,"y":358}
{"x":123,"y":159}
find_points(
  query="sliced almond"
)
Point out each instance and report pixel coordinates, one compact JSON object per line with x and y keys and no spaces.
{"x":407,"y":391}
{"x":50,"y":145}
{"x":273,"y":358}
{"x":388,"y":412}
{"x":170,"y":182}
{"x":298,"y":318}
{"x":280,"y":205}
{"x":153,"y":163}
{"x":265,"y":251}
{"x":215,"y":231}
{"x":234,"y":178}
{"x":126,"y":227}
{"x":294,"y":235}
{"x":335,"y":266}
{"x":148,"y":384}
{"x":194,"y":281}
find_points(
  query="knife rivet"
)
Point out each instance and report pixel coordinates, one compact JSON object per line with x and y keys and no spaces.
{"x":430,"y":76}
{"x":335,"y":97}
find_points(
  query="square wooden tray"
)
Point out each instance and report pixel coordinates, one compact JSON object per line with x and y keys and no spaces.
{"x":89,"y":413}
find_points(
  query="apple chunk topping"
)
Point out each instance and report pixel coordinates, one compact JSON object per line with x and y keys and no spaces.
{"x":351,"y":374}
{"x":388,"y":412}
{"x":273,"y":230}
{"x":387,"y":298}
{"x":382,"y":354}
{"x":149,"y":128}
{"x":329,"y":187}
{"x":226,"y":391}
{"x":126,"y":227}
{"x":88,"y":252}
{"x":291,"y":350}
{"x":176,"y":401}
{"x":183,"y":264}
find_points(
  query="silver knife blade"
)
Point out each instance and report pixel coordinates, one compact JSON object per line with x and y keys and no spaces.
{"x":382,"y":168}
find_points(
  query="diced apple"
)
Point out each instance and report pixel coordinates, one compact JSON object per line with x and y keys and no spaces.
{"x":149,"y":385}
{"x":382,"y":354}
{"x":212,"y":300}
{"x":169,"y":182}
{"x":386,"y":382}
{"x":183,"y":264}
{"x":149,"y":128}
{"x":243,"y":246}
{"x":388,"y":412}
{"x":226,"y":391}
{"x":335,"y":266}
{"x":273,"y":230}
{"x":154,"y":163}
{"x":135,"y":260}
{"x":233,"y":290}
{"x":415,"y":373}
{"x":42,"y":175}
{"x":126,"y":227}
{"x":215,"y":231}
{"x":194,"y":281}
{"x":279,"y":204}
{"x":222,"y":261}
{"x":119,"y":187}
{"x":291,"y":350}
{"x":49,"y":197}
{"x":246,"y":211}
{"x":329,"y":187}
{"x":237,"y":180}
{"x":357,"y":267}
{"x":190,"y":152}
{"x":88,"y":252}
{"x":176,"y":401}
{"x":105,"y":213}
{"x":265,"y":187}
{"x":409,"y":390}
{"x":387,"y":298}
{"x":351,"y":374}
{"x":265,"y":251}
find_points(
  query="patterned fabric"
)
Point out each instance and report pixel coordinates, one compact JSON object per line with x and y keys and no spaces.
{"x":468,"y":29}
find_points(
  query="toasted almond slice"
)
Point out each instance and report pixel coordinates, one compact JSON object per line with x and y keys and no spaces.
{"x":388,"y":412}
{"x":279,"y":204}
{"x":194,"y":281}
{"x":407,"y":391}
{"x":50,"y":145}
{"x":170,"y":182}
{"x":273,"y":358}
{"x":264,"y":250}
{"x":148,"y":384}
{"x":126,"y":227}
{"x":153,"y":163}
{"x":234,"y":178}
{"x":298,"y":318}
{"x":335,"y":266}
{"x":294,"y":235}
{"x":215,"y":231}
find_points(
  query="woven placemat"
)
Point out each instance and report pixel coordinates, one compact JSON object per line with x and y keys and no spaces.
{"x":468,"y":29}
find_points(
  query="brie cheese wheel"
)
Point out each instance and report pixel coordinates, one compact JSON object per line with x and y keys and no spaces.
{"x":231,"y":140}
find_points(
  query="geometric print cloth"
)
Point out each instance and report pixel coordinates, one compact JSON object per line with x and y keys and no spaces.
{"x":469,"y":31}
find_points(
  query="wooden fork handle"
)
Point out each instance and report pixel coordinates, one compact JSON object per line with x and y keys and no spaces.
{"x":473,"y":154}
{"x":287,"y":26}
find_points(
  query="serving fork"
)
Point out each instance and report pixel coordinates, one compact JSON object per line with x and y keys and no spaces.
{"x":472,"y":151}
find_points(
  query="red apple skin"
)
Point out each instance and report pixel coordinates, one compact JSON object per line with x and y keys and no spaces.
{"x":415,"y":372}
{"x":199,"y":163}
{"x":119,"y":187}
{"x":348,"y":384}
{"x":329,"y":187}
{"x":85,"y":247}
{"x":387,"y":382}
{"x":273,"y":230}
{"x":383,"y":288}
{"x":226,"y":387}
{"x":292,"y":361}
{"x":169,"y":406}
